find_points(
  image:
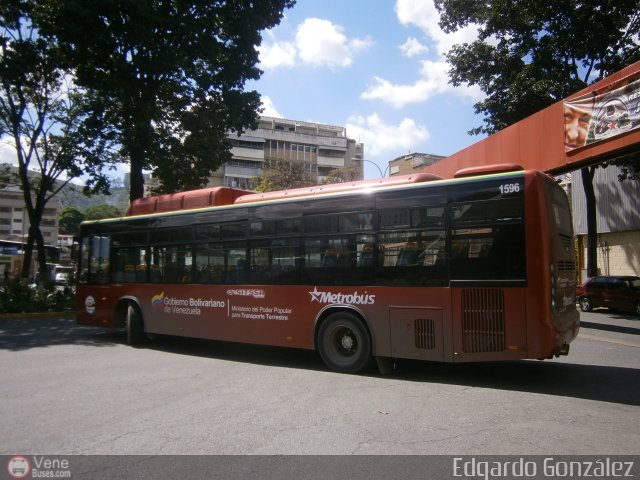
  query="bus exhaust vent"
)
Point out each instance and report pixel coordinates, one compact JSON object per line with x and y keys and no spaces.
{"x":566,"y":266}
{"x":566,"y":241}
{"x":483,"y":328}
{"x":425,"y":334}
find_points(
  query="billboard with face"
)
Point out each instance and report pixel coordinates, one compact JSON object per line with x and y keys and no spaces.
{"x":598,"y":116}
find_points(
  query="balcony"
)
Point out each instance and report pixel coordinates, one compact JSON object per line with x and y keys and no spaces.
{"x":234,"y":171}
{"x":305,"y":138}
{"x":247,"y":153}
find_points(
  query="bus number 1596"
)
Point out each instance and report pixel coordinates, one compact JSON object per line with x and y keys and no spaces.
{"x":509,"y":188}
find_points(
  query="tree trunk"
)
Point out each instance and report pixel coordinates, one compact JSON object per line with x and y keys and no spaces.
{"x":138,"y":147}
{"x":136,"y":185}
{"x":592,"y":220}
{"x":27,"y":256}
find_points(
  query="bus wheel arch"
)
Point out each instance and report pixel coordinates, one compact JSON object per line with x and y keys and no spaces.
{"x":343,"y":339}
{"x":129,"y":315}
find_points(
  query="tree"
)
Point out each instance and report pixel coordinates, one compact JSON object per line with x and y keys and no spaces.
{"x":44,"y":116}
{"x":341,"y":175}
{"x":169,"y":76}
{"x":283,"y":175}
{"x":531,"y":54}
{"x":629,"y":167}
{"x":98,"y":212}
{"x":69,"y":221}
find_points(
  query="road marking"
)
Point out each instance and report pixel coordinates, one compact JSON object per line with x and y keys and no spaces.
{"x":609,"y":340}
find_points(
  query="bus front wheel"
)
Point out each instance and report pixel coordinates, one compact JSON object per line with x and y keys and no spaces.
{"x":344,"y":343}
{"x":135,"y":326}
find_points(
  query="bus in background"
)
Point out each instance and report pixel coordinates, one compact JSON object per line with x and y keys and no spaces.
{"x":480,"y":267}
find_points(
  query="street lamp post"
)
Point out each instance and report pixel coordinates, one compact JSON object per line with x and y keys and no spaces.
{"x":382,"y":174}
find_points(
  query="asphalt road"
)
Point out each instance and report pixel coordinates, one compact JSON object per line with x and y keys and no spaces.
{"x":71,"y":390}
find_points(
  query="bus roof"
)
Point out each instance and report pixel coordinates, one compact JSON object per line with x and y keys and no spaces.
{"x":192,"y":201}
{"x":354,"y":187}
{"x":189,"y":200}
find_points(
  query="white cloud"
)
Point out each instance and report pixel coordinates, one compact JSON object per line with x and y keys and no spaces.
{"x":318,"y":42}
{"x":274,"y":54}
{"x":433,"y":80}
{"x":423,"y":14}
{"x":8,"y":153}
{"x":413,"y":47}
{"x":269,"y":109}
{"x":322,"y":43}
{"x":381,"y":138}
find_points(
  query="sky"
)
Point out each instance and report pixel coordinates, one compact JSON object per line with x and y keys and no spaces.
{"x":376,"y":67}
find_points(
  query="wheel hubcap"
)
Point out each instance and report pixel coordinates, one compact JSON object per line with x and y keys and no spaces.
{"x":347,"y":342}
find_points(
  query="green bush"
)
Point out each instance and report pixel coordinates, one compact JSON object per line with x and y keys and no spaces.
{"x":17,"y":296}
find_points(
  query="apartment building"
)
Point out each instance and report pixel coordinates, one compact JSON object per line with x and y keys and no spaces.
{"x":14,"y":220}
{"x":319,"y":148}
{"x":412,"y":162}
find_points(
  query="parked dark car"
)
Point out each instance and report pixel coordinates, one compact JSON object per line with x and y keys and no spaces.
{"x":614,"y":292}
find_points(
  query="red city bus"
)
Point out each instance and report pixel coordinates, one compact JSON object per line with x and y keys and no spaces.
{"x":476,"y":268}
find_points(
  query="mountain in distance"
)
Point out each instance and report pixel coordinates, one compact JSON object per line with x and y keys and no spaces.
{"x":71,"y":196}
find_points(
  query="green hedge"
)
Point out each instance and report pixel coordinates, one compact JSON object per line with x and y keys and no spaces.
{"x":17,"y":296}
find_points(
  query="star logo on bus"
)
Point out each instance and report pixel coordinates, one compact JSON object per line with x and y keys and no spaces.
{"x":315,"y":295}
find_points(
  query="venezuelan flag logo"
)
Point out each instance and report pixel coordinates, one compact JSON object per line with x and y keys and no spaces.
{"x":157,"y":301}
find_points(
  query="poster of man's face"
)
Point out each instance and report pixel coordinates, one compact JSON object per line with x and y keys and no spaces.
{"x":592,"y":118}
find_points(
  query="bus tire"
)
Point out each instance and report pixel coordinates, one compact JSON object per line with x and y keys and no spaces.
{"x":135,"y":325}
{"x":636,"y":307}
{"x":344,"y":343}
{"x":585,"y":304}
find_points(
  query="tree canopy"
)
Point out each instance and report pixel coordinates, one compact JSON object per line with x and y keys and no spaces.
{"x":531,"y":54}
{"x":342,"y":175}
{"x":283,"y":175}
{"x":169,"y":76}
{"x":43,"y":115}
{"x":70,"y":220}
{"x":98,"y":212}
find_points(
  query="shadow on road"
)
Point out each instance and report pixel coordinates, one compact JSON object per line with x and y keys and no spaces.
{"x":610,"y":328}
{"x":47,"y":332}
{"x":593,"y":382}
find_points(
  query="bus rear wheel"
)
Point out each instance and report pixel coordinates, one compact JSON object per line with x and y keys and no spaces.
{"x":344,"y":343}
{"x":135,"y":325}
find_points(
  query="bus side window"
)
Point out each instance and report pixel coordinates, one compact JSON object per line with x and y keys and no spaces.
{"x":176,"y":264}
{"x":209,"y":263}
{"x":413,"y":258}
{"x":236,"y":261}
{"x":94,"y":266}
